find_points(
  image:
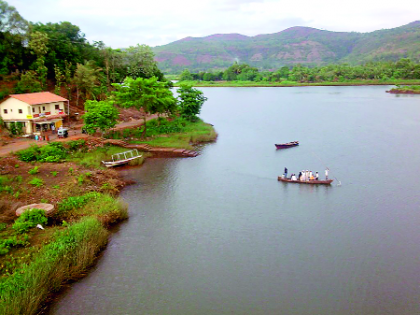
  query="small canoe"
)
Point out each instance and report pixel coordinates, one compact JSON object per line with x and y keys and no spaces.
{"x":122,"y":158}
{"x":286,"y":145}
{"x":310,"y":182}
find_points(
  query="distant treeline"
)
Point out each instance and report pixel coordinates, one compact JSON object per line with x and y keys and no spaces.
{"x":402,"y":69}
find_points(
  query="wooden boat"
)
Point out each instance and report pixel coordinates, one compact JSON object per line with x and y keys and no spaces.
{"x":310,"y":182}
{"x":286,"y":145}
{"x":122,"y":158}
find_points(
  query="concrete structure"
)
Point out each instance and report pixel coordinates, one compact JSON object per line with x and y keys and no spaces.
{"x":35,"y":112}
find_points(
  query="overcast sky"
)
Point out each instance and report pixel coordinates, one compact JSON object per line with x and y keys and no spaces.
{"x":126,"y":23}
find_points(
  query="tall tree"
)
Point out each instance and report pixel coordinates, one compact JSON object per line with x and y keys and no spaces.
{"x":86,"y":78}
{"x":11,"y":21}
{"x":38,"y":45}
{"x":146,"y":95}
{"x":140,"y":63}
{"x":191,"y":101}
{"x":99,"y":115}
{"x":13,"y":29}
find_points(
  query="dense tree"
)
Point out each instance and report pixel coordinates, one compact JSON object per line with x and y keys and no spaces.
{"x":191,"y":101}
{"x":38,"y":45}
{"x":86,"y":78}
{"x":10,"y":20}
{"x":99,"y":115}
{"x":28,"y":83}
{"x":186,"y":76}
{"x":66,"y":42}
{"x":146,"y":95}
{"x":140,"y":62}
{"x":13,"y":28}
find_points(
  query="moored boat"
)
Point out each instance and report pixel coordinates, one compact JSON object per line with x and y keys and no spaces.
{"x":286,"y":145}
{"x":122,"y":158}
{"x":310,"y":182}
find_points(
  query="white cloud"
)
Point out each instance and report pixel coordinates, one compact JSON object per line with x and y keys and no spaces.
{"x":158,"y":22}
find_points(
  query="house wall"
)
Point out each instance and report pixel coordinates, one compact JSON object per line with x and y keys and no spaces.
{"x":47,"y":109}
{"x":12,"y":106}
{"x":17,"y":110}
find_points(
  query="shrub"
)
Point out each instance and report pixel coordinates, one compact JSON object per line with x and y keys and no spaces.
{"x":8,"y":189}
{"x":54,"y":173}
{"x":76,"y":202}
{"x":29,"y":154}
{"x":37,"y":182}
{"x":6,"y":244}
{"x":30,"y":219}
{"x":53,"y":152}
{"x":3,"y":226}
{"x":76,"y":144}
{"x":34,"y":171}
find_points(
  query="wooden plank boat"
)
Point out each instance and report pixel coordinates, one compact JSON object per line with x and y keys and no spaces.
{"x":286,"y":145}
{"x":122,"y":158}
{"x":310,"y":182}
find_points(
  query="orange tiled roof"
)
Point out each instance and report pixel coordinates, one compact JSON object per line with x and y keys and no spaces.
{"x":38,"y":98}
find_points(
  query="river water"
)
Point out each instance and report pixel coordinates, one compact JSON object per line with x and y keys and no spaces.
{"x":218,"y":234}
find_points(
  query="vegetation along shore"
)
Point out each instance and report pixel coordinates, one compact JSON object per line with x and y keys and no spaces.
{"x":35,"y":262}
{"x":412,"y":89}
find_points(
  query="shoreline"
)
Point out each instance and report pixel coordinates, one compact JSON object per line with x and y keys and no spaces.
{"x":54,"y":270}
{"x":297,"y":84}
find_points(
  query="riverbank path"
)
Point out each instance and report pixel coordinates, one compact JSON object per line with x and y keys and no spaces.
{"x":74,"y":133}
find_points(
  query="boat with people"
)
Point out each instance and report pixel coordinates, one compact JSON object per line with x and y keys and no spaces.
{"x":286,"y":145}
{"x":310,"y":182}
{"x":122,"y":158}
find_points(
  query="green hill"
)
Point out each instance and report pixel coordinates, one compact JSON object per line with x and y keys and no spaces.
{"x":303,"y":45}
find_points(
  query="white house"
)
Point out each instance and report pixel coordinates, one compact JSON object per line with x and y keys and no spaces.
{"x":37,"y":112}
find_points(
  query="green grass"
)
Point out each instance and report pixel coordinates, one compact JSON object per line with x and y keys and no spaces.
{"x":94,"y":158}
{"x":404,"y":89}
{"x":49,"y":257}
{"x":193,"y":132}
{"x":69,"y":254}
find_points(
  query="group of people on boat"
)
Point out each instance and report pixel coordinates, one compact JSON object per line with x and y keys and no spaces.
{"x":305,"y":175}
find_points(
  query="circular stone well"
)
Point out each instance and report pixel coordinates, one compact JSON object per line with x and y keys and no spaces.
{"x":49,"y":208}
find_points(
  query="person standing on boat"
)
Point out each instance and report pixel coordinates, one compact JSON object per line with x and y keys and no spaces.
{"x":285,"y":172}
{"x":326,"y":173}
{"x":300,"y":175}
{"x":316,"y":176}
{"x":293,"y":177}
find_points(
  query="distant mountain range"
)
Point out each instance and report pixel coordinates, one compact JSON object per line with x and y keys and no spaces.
{"x":303,"y":45}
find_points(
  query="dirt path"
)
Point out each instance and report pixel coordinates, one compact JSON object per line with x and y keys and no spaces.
{"x":74,"y":134}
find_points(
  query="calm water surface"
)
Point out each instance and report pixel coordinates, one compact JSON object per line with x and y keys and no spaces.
{"x":218,"y":234}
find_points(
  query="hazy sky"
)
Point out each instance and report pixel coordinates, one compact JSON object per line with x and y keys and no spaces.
{"x":126,"y":23}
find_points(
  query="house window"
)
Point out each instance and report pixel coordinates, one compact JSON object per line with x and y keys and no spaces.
{"x":33,"y":109}
{"x":20,"y":111}
{"x":43,"y":108}
{"x":57,"y":106}
{"x":5,"y":111}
